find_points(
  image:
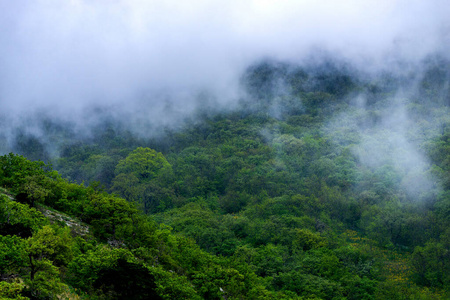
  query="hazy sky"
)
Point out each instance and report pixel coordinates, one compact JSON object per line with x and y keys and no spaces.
{"x":67,"y":53}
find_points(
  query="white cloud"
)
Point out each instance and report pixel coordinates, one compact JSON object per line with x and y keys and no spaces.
{"x":73,"y":53}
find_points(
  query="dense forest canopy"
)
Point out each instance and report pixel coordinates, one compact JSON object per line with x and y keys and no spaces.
{"x":321,"y":182}
{"x":224,"y":149}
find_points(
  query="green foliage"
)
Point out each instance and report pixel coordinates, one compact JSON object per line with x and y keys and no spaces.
{"x":14,"y":170}
{"x":141,"y":177}
{"x":306,"y":240}
{"x":312,"y":187}
{"x":51,"y":244}
{"x":145,"y":163}
{"x":10,"y":291}
{"x":35,"y":189}
{"x":198,"y":222}
{"x":431,"y":264}
{"x":309,"y":286}
{"x":134,"y":251}
{"x":45,"y":282}
{"x":46,"y":249}
{"x":12,"y":256}
{"x":19,"y":219}
{"x":116,"y":274}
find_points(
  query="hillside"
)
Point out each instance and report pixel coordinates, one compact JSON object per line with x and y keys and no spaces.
{"x":321,"y":183}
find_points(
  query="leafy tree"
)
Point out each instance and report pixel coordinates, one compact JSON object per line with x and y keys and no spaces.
{"x":145,"y":163}
{"x":43,"y":248}
{"x":19,"y":219}
{"x":141,"y":177}
{"x":306,"y":240}
{"x":35,"y":189}
{"x":431,"y":264}
{"x":14,"y":169}
{"x":12,"y":257}
{"x":118,"y":275}
{"x":12,"y":290}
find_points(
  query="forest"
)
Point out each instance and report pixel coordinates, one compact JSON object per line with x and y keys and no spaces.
{"x":322,"y":182}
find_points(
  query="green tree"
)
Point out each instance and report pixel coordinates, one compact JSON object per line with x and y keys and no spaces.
{"x":14,"y":169}
{"x":43,"y":248}
{"x":19,"y":219}
{"x":142,"y":178}
{"x":119,"y":275}
{"x":12,"y":291}
{"x":35,"y":188}
{"x":12,"y":256}
{"x":431,"y":264}
{"x":145,"y":163}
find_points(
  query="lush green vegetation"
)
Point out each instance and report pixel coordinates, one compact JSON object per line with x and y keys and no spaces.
{"x":322,"y":184}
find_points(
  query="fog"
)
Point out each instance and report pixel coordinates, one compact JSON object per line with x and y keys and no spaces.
{"x":152,"y":64}
{"x":68,"y":54}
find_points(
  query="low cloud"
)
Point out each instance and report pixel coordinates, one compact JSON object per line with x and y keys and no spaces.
{"x":153,"y":62}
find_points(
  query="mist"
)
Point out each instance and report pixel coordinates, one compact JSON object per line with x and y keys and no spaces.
{"x":153,"y":64}
{"x":75,"y":53}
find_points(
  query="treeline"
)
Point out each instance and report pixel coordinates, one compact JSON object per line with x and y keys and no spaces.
{"x":324,"y":183}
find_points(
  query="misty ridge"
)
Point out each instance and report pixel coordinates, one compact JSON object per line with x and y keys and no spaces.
{"x":91,"y":74}
{"x":385,"y":118}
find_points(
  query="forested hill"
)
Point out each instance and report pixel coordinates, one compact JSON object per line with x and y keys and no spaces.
{"x":322,"y":182}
